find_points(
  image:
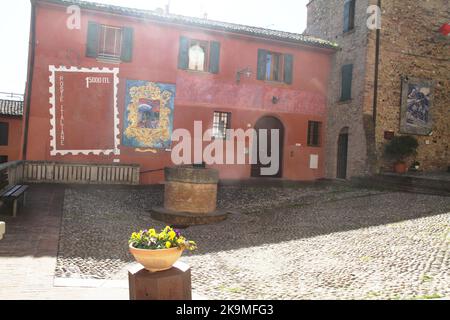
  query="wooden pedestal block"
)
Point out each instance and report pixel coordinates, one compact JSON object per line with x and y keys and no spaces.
{"x":173,"y":284}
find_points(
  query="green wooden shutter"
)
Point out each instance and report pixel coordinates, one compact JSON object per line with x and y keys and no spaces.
{"x":92,"y":39}
{"x":351,"y":19}
{"x":288,"y":68}
{"x":127,"y":44}
{"x":214,"y":57}
{"x":347,"y":74}
{"x":183,"y":54}
{"x":262,"y":60}
{"x":347,"y":16}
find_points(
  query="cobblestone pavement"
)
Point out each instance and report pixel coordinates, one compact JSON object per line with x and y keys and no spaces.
{"x":28,"y":252}
{"x":309,"y":242}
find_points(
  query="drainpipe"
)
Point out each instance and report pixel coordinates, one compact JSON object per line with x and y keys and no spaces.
{"x":377,"y":65}
{"x":31,"y":54}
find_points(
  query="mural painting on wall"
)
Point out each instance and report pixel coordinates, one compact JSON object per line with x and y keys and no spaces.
{"x":417,"y":96}
{"x":83,"y":101}
{"x":148,"y":117}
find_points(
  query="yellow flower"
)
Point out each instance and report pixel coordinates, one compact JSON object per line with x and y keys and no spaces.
{"x":167,"y":229}
{"x":162,"y":235}
{"x":172,"y":235}
{"x":152,"y":232}
{"x":168,"y":244}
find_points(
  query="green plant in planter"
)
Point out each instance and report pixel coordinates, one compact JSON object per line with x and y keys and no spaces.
{"x":401,"y":147}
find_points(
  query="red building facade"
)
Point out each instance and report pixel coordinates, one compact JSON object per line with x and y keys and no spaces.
{"x":10,"y":130}
{"x":113,"y":85}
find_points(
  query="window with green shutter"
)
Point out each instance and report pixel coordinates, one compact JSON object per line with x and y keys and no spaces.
{"x":274,"y":66}
{"x":199,"y":55}
{"x":346,"y":82}
{"x":349,"y":15}
{"x":109,"y":42}
{"x":314,"y":128}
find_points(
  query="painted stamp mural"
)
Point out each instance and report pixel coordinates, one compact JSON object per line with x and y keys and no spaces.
{"x":84,"y":101}
{"x":148,"y":117}
{"x":417,"y":97}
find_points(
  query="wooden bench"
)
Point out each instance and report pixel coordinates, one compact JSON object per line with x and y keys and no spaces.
{"x":13,"y":193}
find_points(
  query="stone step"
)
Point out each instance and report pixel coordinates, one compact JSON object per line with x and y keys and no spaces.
{"x":405,"y":183}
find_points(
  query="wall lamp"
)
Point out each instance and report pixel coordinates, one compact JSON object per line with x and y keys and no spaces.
{"x":247,"y":72}
{"x":275,"y":100}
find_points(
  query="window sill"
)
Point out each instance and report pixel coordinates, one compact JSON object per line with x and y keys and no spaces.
{"x":347,"y":33}
{"x":198,"y":72}
{"x":310,"y":146}
{"x":344,"y":101}
{"x":108,"y":60}
{"x":276,"y":83}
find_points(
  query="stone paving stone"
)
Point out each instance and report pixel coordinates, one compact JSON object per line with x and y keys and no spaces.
{"x":326,"y":242}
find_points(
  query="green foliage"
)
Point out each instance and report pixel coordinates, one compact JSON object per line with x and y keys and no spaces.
{"x":401,"y":147}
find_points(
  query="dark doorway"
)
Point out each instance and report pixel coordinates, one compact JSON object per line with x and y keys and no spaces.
{"x":342,"y":154}
{"x":268,"y":123}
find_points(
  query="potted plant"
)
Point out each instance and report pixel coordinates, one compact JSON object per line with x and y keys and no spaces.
{"x":158,"y":251}
{"x":399,"y":148}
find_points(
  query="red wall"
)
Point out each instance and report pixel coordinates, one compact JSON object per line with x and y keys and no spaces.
{"x":13,"y":149}
{"x":198,"y":95}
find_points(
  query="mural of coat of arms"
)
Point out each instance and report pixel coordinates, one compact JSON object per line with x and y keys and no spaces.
{"x":148,"y":114}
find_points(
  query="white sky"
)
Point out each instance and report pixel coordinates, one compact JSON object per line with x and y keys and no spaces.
{"x":286,"y":15}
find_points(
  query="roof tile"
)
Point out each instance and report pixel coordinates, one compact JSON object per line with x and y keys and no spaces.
{"x":205,"y":23}
{"x":11,"y":107}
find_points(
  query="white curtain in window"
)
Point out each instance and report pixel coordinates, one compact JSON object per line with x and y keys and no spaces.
{"x":196,"y":58}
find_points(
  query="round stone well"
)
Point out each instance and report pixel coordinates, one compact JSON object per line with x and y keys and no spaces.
{"x":190,"y":197}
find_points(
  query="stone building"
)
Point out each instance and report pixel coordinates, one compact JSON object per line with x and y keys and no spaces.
{"x":373,"y":69}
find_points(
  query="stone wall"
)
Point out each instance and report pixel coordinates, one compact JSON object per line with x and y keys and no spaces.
{"x":412,"y":46}
{"x":325,"y":20}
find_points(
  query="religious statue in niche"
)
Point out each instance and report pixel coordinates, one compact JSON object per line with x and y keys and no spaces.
{"x":149,"y":109}
{"x":416,"y":106}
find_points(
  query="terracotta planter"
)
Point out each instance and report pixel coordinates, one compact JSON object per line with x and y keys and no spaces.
{"x":156,"y":260}
{"x":400,"y":167}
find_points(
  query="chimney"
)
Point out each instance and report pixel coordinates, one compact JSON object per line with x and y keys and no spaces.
{"x":168,"y":7}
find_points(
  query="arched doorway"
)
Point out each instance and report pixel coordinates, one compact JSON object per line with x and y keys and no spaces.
{"x":342,"y":154}
{"x":269,"y":123}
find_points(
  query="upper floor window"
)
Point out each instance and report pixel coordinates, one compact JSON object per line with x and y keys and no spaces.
{"x":199,"y":55}
{"x":273,"y":66}
{"x":110,"y":45}
{"x":221,"y":123}
{"x":346,"y":82}
{"x":109,"y":42}
{"x":314,"y":133}
{"x":349,"y":15}
{"x":4,"y":128}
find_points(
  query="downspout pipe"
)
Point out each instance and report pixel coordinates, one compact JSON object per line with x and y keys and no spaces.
{"x":377,"y":67}
{"x":29,"y":86}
